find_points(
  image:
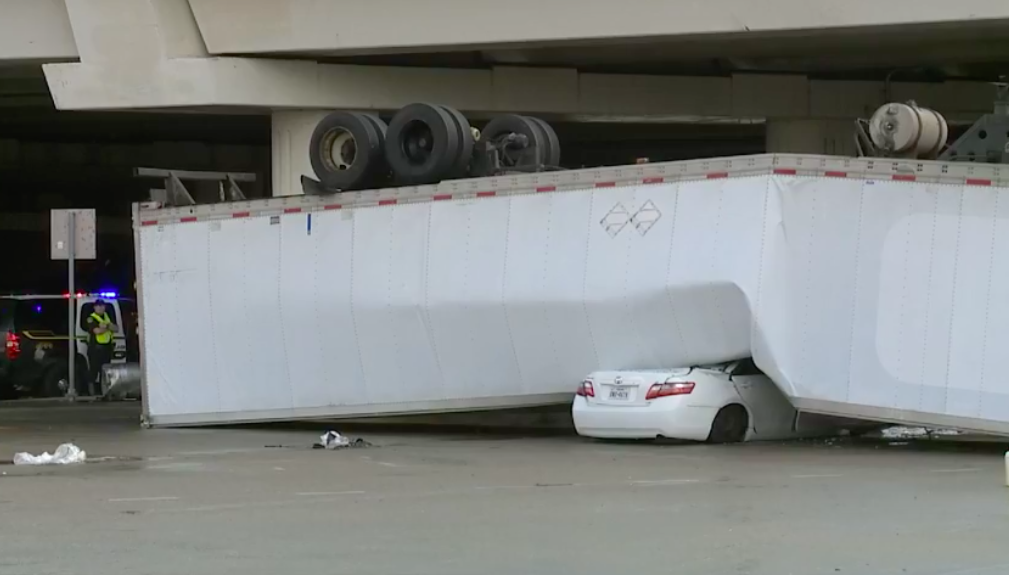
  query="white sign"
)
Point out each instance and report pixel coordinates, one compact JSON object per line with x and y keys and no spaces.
{"x":84,"y":236}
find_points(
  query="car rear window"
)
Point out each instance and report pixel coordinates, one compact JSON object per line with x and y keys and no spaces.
{"x":41,"y":315}
{"x":6,"y":313}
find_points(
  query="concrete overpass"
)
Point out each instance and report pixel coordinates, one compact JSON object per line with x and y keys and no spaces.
{"x":806,"y":67}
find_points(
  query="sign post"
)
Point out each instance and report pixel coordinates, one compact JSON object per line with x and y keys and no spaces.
{"x":72,"y":237}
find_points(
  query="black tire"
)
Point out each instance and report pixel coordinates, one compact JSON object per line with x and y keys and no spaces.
{"x":465,"y":132}
{"x":382,"y":173}
{"x":480,"y":166}
{"x":55,"y":382}
{"x":730,"y":425}
{"x":346,"y":151}
{"x":380,"y":125}
{"x":422,"y":145}
{"x":552,"y":155}
{"x":534,"y":152}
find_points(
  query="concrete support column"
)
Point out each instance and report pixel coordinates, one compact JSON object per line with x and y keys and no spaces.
{"x":811,"y":136}
{"x":132,"y":52}
{"x":124,"y":32}
{"x":292,"y":134}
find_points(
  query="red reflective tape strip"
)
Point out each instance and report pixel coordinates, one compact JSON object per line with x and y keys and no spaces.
{"x":831,"y":174}
{"x":547,"y":189}
{"x":292,"y":210}
{"x":977,"y":182}
{"x":717,"y":175}
{"x":903,"y":178}
{"x":653,"y":180}
{"x":784,"y":171}
{"x":187,"y":219}
{"x":606,"y":184}
{"x":332,"y":207}
{"x":240,"y":215}
{"x":386,"y":202}
{"x":486,"y":194}
{"x":442,"y":197}
{"x":149,"y":223}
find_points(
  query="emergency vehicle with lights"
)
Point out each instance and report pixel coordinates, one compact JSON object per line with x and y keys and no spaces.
{"x":34,"y":327}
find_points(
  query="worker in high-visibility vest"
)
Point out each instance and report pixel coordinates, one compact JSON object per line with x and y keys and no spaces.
{"x":101,"y":336}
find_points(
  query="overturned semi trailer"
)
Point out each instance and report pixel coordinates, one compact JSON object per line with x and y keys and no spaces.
{"x":864,"y":287}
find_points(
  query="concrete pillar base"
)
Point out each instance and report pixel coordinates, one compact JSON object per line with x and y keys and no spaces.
{"x":292,"y":134}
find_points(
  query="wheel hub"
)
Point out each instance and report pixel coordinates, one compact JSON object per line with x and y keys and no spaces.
{"x":342,"y":149}
{"x":418,"y":143}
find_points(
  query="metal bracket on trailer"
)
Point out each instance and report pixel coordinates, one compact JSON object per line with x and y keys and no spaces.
{"x":176,"y":194}
{"x":314,"y":187}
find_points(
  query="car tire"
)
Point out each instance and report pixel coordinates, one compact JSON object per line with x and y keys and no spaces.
{"x":552,"y":153}
{"x":346,"y":151}
{"x":55,"y":382}
{"x":730,"y":425}
{"x":423,"y":144}
{"x":535,"y":152}
{"x":7,"y":390}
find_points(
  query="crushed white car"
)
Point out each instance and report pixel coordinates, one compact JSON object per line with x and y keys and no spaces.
{"x":721,"y":403}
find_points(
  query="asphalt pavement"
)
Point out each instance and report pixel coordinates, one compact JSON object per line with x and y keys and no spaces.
{"x":260,"y":500}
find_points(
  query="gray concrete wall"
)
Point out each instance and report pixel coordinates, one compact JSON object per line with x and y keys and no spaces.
{"x":35,"y":31}
{"x":268,"y":26}
{"x":41,"y":29}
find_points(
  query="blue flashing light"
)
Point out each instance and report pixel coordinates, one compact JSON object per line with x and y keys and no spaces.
{"x":108,"y":294}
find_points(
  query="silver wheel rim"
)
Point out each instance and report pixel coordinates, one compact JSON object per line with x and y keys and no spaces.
{"x":341,"y":149}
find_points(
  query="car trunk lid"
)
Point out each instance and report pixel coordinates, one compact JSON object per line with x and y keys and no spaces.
{"x":628,"y":388}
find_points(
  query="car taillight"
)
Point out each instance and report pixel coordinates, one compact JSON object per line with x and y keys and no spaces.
{"x":585,"y":389}
{"x":12,"y":349}
{"x":669,"y":388}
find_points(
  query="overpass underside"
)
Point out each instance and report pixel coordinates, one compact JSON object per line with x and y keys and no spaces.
{"x":807,"y":69}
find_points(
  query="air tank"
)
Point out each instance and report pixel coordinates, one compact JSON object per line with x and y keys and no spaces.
{"x":908,"y":131}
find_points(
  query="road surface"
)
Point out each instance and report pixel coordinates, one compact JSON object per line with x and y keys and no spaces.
{"x":261,"y":501}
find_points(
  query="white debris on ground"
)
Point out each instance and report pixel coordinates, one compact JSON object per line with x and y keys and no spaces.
{"x":65,"y":454}
{"x":901,"y":432}
{"x":333,"y":440}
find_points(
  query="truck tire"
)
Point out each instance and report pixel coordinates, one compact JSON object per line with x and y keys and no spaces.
{"x":379,"y":124}
{"x":346,"y":151}
{"x":422,"y":145}
{"x":382,"y":174}
{"x":532,"y":155}
{"x":461,"y":167}
{"x":552,"y":156}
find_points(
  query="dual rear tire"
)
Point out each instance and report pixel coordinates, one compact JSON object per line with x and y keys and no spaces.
{"x":347,"y":150}
{"x":424,"y":144}
{"x":427,"y":143}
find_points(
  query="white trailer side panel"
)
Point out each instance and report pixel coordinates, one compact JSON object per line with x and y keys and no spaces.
{"x":864,"y":295}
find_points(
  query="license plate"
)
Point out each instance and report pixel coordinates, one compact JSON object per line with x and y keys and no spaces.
{"x":618,"y":394}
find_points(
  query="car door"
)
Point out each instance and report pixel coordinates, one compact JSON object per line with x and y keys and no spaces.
{"x":772,"y":413}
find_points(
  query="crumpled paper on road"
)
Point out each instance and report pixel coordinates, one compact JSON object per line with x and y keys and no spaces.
{"x":333,"y":440}
{"x":65,"y":454}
